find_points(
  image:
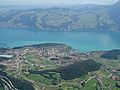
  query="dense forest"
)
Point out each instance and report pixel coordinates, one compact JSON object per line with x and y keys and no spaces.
{"x":113,"y":54}
{"x":78,"y":69}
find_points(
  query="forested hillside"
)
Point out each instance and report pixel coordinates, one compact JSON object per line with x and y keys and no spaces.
{"x":95,"y":17}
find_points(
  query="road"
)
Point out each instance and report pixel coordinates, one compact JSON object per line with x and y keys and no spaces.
{"x":7,"y":82}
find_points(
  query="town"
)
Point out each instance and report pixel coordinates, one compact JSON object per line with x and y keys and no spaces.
{"x":19,"y":62}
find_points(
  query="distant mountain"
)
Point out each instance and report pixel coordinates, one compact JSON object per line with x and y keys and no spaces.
{"x":115,"y":13}
{"x":92,"y":17}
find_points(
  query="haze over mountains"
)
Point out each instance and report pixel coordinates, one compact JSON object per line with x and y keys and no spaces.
{"x":95,"y":17}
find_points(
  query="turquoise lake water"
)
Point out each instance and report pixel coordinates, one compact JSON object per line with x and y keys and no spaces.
{"x":79,"y":40}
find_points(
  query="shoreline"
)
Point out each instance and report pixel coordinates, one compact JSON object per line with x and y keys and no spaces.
{"x":55,"y":44}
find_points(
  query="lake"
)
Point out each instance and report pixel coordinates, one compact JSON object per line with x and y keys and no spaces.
{"x":79,"y":40}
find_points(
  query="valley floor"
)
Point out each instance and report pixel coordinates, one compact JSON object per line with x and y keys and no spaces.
{"x":28,"y":62}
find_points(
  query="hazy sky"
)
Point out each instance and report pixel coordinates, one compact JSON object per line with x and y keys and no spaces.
{"x":37,"y":2}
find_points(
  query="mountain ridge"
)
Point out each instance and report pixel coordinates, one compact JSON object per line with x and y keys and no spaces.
{"x":92,"y":17}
